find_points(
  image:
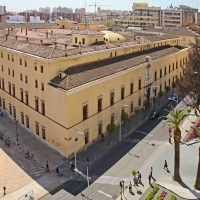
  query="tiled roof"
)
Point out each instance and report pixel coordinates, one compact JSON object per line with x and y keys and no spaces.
{"x":79,"y":75}
{"x":36,"y":50}
{"x":88,"y":32}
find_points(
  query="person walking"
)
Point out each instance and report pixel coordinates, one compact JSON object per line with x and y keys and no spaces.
{"x":195,"y":111}
{"x":130,"y":187}
{"x":57,"y":171}
{"x":139,"y":176}
{"x":165,"y":165}
{"x":151,"y":171}
{"x":149,"y":178}
{"x":47,"y":166}
{"x":170,"y":131}
{"x":102,"y":137}
{"x":72,"y":167}
{"x":4,"y":190}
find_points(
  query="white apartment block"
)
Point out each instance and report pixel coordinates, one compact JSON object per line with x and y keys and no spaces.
{"x":45,"y":10}
{"x":62,"y":10}
{"x":2,"y":10}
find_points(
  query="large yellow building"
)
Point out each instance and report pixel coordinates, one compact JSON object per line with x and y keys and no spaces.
{"x":52,"y":90}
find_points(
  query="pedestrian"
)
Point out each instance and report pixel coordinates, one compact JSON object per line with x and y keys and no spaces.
{"x":151,"y":171}
{"x":4,"y":190}
{"x":47,"y":166}
{"x":130,"y":187}
{"x":139,"y":176}
{"x":102,"y":137}
{"x":149,"y":178}
{"x":196,"y":112}
{"x":165,"y":165}
{"x":72,"y":167}
{"x":57,"y":171}
{"x":170,"y":130}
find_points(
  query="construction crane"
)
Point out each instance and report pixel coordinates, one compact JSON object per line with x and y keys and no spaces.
{"x":95,"y":5}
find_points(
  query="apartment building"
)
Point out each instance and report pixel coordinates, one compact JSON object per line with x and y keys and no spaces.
{"x":52,"y":92}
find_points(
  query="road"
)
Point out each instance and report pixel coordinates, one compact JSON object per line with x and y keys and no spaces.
{"x":134,"y":152}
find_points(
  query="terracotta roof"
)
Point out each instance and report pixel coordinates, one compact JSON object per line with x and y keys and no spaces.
{"x":88,"y":32}
{"x":36,"y":50}
{"x":79,"y":75}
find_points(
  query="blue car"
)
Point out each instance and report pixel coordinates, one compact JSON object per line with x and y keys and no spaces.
{"x":174,"y":96}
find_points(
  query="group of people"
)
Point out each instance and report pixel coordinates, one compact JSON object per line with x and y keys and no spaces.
{"x":136,"y":179}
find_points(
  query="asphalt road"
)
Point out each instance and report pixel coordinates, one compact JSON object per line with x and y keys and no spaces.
{"x":134,"y":152}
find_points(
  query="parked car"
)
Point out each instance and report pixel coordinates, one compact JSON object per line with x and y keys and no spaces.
{"x":174,"y":97}
{"x":155,"y":114}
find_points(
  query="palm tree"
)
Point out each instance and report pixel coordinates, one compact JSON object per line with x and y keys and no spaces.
{"x":177,"y":116}
{"x":110,"y":129}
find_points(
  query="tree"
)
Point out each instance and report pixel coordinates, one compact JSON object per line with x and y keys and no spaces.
{"x":136,"y":111}
{"x":124,"y":119}
{"x":160,"y":95}
{"x":173,"y":86}
{"x":175,"y":119}
{"x":197,"y":182}
{"x":146,"y":105}
{"x":110,"y":129}
{"x":167,"y":88}
{"x":189,"y":85}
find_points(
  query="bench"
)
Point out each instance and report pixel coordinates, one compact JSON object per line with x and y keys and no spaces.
{"x":1,"y":136}
{"x":7,"y":142}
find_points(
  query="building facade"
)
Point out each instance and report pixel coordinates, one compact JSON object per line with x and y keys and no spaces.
{"x":53,"y":92}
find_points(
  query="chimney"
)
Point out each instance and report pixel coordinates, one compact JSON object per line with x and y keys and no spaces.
{"x":118,"y":42}
{"x":106,"y":43}
{"x":21,"y":30}
{"x":51,"y":32}
{"x":26,"y":31}
{"x":65,"y":49}
{"x":27,"y":39}
{"x":61,"y":74}
{"x":16,"y":37}
{"x":6,"y":36}
{"x":41,"y":42}
{"x":138,"y":40}
{"x":46,"y":34}
{"x":96,"y":41}
{"x":79,"y":47}
{"x":55,"y":45}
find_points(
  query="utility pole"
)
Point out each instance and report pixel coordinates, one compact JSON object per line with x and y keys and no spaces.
{"x":95,"y":6}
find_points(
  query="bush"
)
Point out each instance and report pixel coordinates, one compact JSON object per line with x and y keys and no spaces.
{"x":173,"y":197}
{"x":152,"y":193}
{"x":159,"y":198}
{"x":134,"y":172}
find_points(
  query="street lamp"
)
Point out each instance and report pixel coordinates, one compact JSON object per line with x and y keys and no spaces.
{"x":75,"y":131}
{"x":16,"y":123}
{"x":120,"y":128}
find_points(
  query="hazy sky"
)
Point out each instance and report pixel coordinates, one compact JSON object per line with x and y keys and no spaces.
{"x":21,"y":5}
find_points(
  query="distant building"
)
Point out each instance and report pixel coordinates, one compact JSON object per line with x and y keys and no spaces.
{"x":3,"y":16}
{"x":80,"y":10}
{"x":62,"y":10}
{"x":71,"y":16}
{"x":16,"y":19}
{"x":2,"y":10}
{"x":171,"y":18}
{"x":36,"y":19}
{"x":197,"y":19}
{"x":42,"y":15}
{"x":45,"y":10}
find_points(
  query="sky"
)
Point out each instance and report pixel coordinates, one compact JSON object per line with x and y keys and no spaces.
{"x":21,"y":5}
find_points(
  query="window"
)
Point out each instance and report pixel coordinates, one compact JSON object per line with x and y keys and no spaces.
{"x":8,"y":71}
{"x":0,"y":102}
{"x":36,"y":104}
{"x":76,"y":40}
{"x":112,"y":96}
{"x":132,"y":107}
{"x":169,"y":68}
{"x":85,"y":112}
{"x":14,"y":112}
{"x":180,"y":62}
{"x":27,"y":121}
{"x":22,"y":118}
{"x":112,"y":119}
{"x":25,"y":63}
{"x":21,"y":78}
{"x":173,"y":79}
{"x":176,"y":64}
{"x":186,"y":59}
{"x":99,"y":104}
{"x":36,"y":84}
{"x":1,"y":54}
{"x":37,"y":128}
{"x":8,"y":57}
{"x":160,"y":73}
{"x":13,"y":73}
{"x":42,"y":86}
{"x":139,"y":101}
{"x":173,"y":67}
{"x":183,"y":61}
{"x":9,"y":88}
{"x":43,"y":107}
{"x":160,"y":88}
{"x":35,"y":66}
{"x":165,"y":70}
{"x":10,"y":109}
{"x":26,"y":79}
{"x":2,"y":68}
{"x":100,"y":128}
{"x":13,"y":90}
{"x":20,"y":61}
{"x":41,"y":68}
{"x":43,"y":133}
{"x":155,"y":75}
{"x":86,"y":135}
{"x":122,"y":92}
{"x":4,"y":105}
{"x":83,"y":40}
{"x":12,"y":58}
{"x":140,"y":84}
{"x":26,"y":97}
{"x":131,"y":88}
{"x":3,"y":86}
{"x":22,"y":95}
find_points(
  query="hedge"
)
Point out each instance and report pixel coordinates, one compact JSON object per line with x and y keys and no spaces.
{"x":152,"y":193}
{"x":173,"y":197}
{"x":134,"y":172}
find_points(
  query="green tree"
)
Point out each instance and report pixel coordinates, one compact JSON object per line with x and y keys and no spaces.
{"x":167,"y":88}
{"x":124,"y":119}
{"x":173,"y":86}
{"x":175,"y":118}
{"x":160,"y":95}
{"x":110,"y":128}
{"x":136,"y":111}
{"x":146,"y":105}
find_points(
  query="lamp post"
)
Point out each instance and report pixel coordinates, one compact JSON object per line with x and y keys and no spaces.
{"x":120,"y":127}
{"x":152,"y":96}
{"x":75,"y":131}
{"x":16,"y":123}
